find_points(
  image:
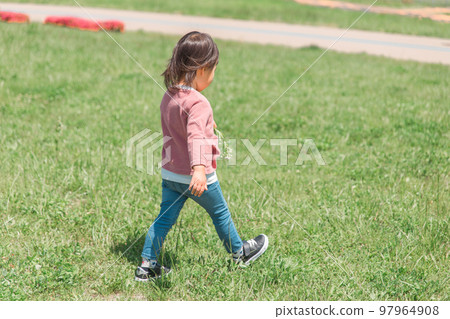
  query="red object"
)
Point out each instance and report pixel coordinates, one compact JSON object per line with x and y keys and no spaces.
{"x":84,"y":24}
{"x":13,"y":17}
{"x":113,"y":25}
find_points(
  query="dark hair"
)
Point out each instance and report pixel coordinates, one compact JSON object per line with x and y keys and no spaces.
{"x":195,"y":50}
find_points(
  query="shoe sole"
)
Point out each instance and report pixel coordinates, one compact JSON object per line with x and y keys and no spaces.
{"x":152,"y":278}
{"x":262,"y":250}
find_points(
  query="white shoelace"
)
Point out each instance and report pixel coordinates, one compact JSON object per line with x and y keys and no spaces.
{"x":252,"y":243}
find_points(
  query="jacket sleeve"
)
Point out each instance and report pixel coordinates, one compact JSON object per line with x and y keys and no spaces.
{"x":199,"y":122}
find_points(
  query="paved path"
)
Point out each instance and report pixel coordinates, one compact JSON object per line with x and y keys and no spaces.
{"x":422,"y":49}
{"x":433,"y":13}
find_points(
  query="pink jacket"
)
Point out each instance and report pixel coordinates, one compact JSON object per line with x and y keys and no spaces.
{"x":188,"y":127}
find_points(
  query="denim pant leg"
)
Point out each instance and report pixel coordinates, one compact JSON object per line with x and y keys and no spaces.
{"x":171,"y":204}
{"x":214,"y":203}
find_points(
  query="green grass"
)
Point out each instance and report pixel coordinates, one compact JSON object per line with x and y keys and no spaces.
{"x":276,"y":10}
{"x":376,"y":214}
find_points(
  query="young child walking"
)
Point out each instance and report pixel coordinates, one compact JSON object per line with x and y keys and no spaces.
{"x":189,"y":155}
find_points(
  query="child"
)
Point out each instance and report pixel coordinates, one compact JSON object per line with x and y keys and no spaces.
{"x":189,"y":152}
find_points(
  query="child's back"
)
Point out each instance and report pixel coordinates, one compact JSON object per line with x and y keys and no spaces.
{"x":187,"y":118}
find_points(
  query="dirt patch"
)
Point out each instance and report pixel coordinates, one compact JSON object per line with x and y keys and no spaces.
{"x":436,"y":14}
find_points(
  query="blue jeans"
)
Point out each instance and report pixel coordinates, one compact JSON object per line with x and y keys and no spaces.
{"x":174,"y":195}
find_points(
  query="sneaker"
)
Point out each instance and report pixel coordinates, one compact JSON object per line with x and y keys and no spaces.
{"x":150,"y":273}
{"x":253,"y":248}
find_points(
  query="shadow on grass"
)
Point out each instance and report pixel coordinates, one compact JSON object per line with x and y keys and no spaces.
{"x":131,"y":249}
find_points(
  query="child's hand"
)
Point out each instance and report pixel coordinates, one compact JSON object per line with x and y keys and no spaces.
{"x":198,"y":181}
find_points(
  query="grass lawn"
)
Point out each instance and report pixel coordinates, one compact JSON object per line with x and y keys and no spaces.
{"x":375,"y":215}
{"x":275,"y":10}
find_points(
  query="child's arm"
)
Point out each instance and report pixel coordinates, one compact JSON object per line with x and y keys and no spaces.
{"x":198,"y":181}
{"x":198,"y":147}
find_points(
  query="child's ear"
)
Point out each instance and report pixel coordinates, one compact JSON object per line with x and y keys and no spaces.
{"x":201,"y":71}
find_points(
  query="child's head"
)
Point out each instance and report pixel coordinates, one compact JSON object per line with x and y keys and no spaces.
{"x":194,"y":59}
